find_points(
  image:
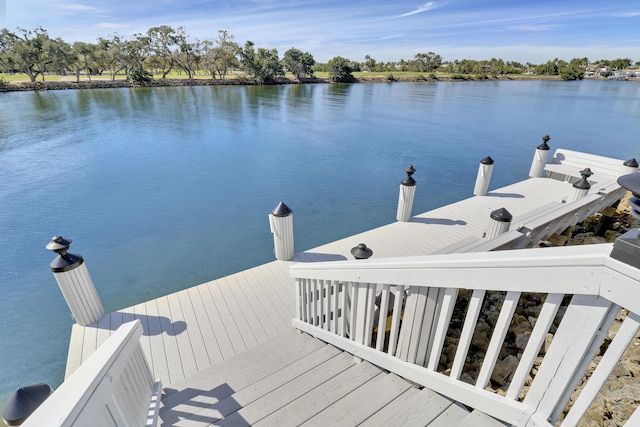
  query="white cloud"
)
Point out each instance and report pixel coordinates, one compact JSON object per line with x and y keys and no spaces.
{"x":424,"y":8}
{"x":532,"y":27}
{"x":77,"y":7}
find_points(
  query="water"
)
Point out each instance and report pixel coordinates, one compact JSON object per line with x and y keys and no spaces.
{"x":165,"y":188}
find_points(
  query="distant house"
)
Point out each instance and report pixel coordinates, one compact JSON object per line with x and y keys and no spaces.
{"x":529,"y":71}
{"x":604,"y":71}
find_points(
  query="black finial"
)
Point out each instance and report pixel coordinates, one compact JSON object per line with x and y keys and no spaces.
{"x":586,"y":173}
{"x":64,"y":261}
{"x":632,"y":163}
{"x":361,"y":251}
{"x":544,"y":145}
{"x":282,"y":210}
{"x":487,"y":161}
{"x":23,"y":402}
{"x":409,"y":181}
{"x":583,"y":183}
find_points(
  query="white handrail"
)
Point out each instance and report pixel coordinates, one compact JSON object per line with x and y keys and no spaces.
{"x":114,"y":385}
{"x":599,"y":284}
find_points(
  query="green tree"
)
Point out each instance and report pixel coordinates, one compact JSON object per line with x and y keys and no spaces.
{"x":262,"y":64}
{"x":220,"y":56}
{"x":299,"y":63}
{"x":571,"y":72}
{"x":426,"y":62}
{"x":163,"y":42}
{"x":340,"y":69}
{"x":81,"y":54}
{"x":27,"y":51}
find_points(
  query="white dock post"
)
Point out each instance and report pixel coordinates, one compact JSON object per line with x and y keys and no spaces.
{"x":407,"y":194}
{"x":581,"y":187}
{"x":540,"y":158}
{"x":75,"y":283}
{"x":281,"y":223}
{"x":484,"y":176}
{"x":628,"y":167}
{"x":499,"y":224}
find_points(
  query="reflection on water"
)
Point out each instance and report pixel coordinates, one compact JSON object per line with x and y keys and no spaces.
{"x":163,"y":188}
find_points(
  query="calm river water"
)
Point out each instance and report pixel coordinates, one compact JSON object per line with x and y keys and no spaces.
{"x":165,"y":188}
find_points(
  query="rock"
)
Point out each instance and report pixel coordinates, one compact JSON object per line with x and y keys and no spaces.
{"x":522,"y":340}
{"x":503,"y":370}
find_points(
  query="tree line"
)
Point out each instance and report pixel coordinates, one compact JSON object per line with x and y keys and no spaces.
{"x":164,"y":49}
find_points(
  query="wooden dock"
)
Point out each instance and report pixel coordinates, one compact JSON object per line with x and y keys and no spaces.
{"x":226,"y":352}
{"x":189,"y":331}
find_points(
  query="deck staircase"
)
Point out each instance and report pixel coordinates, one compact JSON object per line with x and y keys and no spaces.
{"x":296,"y":379}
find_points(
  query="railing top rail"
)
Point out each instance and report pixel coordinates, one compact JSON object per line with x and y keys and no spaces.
{"x":569,"y":270}
{"x":78,"y":391}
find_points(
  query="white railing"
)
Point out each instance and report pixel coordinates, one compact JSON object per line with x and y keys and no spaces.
{"x":113,"y":387}
{"x":396,"y":313}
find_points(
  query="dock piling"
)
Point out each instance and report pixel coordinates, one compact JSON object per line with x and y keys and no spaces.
{"x":540,"y":158}
{"x":484,"y":176}
{"x":281,"y":223}
{"x":406,"y":196}
{"x":75,"y":283}
{"x":499,"y":223}
{"x":582,"y":186}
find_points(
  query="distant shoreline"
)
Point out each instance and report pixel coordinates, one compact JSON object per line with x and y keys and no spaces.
{"x":121,"y":83}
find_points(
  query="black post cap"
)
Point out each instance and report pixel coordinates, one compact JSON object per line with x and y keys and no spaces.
{"x":409,"y":181}
{"x":361,"y":251}
{"x":632,"y":163}
{"x":282,"y":210}
{"x":586,"y":172}
{"x":23,"y":402}
{"x":64,"y":261}
{"x":487,"y":161}
{"x":544,"y":145}
{"x":501,"y":215}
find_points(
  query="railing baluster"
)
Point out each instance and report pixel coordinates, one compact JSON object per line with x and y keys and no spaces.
{"x":336,"y":307}
{"x":497,"y":338}
{"x":431,"y":312}
{"x":467,"y":333}
{"x":536,"y":340}
{"x":448,"y":304}
{"x":320,"y":297}
{"x":355,"y":286}
{"x":344,"y":303}
{"x":616,"y":349}
{"x":382,"y":317}
{"x":395,"y":319}
{"x":369,"y":320}
{"x":327,"y":305}
{"x":404,"y":339}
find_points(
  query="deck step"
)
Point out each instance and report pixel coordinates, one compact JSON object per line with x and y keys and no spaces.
{"x":294,"y":380}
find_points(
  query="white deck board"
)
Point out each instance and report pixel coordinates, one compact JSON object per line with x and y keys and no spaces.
{"x":226,"y":316}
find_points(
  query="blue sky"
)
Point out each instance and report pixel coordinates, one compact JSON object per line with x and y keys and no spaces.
{"x":519,"y":30}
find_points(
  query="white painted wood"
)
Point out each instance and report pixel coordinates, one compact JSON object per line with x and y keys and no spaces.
{"x":483,"y":179}
{"x":80,"y":294}
{"x":335,"y":322}
{"x":429,"y":320}
{"x":634,"y":419}
{"x":355,"y":299}
{"x":536,"y":340}
{"x":113,"y":373}
{"x":569,"y":163}
{"x":515,"y":413}
{"x":282,"y":230}
{"x":405,"y":202}
{"x":601,"y":333}
{"x":497,"y":338}
{"x":415,"y":334}
{"x":344,"y":304}
{"x":408,"y":323}
{"x":496,"y":228}
{"x":396,"y":318}
{"x":577,"y":194}
{"x":566,"y":352}
{"x":440,"y":333}
{"x":307,"y":405}
{"x":360,"y":404}
{"x":616,"y":349}
{"x":537,"y":165}
{"x":382,"y":317}
{"x":470,"y":321}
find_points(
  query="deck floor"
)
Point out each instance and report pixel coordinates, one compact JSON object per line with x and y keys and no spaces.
{"x":189,"y":331}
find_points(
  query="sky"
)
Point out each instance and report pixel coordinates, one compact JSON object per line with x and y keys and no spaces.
{"x":386,"y":30}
